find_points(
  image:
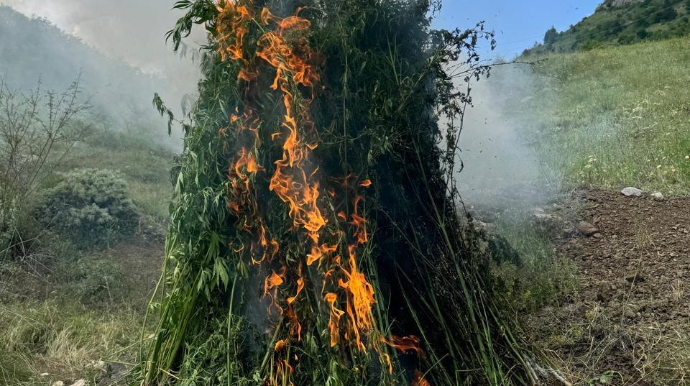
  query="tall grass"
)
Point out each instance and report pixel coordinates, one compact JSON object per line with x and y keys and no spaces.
{"x":62,"y":340}
{"x":617,"y":116}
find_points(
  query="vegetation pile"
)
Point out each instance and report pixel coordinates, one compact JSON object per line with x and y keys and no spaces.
{"x":316,"y":235}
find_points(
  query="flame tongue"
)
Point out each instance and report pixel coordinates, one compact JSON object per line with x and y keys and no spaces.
{"x":284,"y":46}
{"x":419,"y":379}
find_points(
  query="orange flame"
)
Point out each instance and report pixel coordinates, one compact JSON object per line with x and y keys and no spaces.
{"x":334,"y":321}
{"x":419,"y":379}
{"x":360,"y":299}
{"x":284,"y":46}
{"x":231,"y":26}
{"x":281,"y":344}
{"x":404,"y":344}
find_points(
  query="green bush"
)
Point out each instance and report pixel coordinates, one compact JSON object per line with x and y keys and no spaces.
{"x":90,"y":206}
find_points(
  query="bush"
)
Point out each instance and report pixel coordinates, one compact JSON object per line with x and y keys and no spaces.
{"x":90,"y":206}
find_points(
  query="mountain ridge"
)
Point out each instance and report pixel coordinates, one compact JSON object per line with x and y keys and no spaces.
{"x":617,"y":22}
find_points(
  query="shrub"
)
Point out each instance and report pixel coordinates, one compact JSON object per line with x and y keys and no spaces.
{"x":90,"y":206}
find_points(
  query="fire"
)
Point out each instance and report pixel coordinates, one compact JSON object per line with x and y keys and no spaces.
{"x":360,"y":299}
{"x":334,"y":322}
{"x":281,"y":344}
{"x":404,"y":344}
{"x":231,"y":27}
{"x":283,"y":46}
{"x":271,"y":285}
{"x":419,"y":379}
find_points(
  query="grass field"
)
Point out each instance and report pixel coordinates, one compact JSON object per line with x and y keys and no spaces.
{"x":617,"y":116}
{"x":68,"y":313}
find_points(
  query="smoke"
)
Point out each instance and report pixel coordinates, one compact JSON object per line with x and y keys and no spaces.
{"x":129,"y":30}
{"x":502,"y":169}
{"x":118,"y":47}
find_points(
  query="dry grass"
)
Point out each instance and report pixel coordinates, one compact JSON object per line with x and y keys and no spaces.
{"x":62,"y":340}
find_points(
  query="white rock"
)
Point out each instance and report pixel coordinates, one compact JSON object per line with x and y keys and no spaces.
{"x":630,"y":191}
{"x":58,"y":383}
{"x":80,"y":382}
{"x":44,"y":374}
{"x":658,"y":196}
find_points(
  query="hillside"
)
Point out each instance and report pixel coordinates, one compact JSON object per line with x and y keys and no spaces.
{"x":611,"y":118}
{"x":620,"y":22}
{"x":119,"y":94}
{"x":68,"y":304}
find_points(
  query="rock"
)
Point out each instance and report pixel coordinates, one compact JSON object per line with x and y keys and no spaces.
{"x":548,"y":222}
{"x":657,"y":196}
{"x":98,"y":365}
{"x":586,"y":228}
{"x":58,"y":383}
{"x":44,"y":374}
{"x":632,"y":192}
{"x":80,"y":382}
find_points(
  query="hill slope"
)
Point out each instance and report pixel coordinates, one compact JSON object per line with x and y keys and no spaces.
{"x":32,"y":49}
{"x":620,"y":22}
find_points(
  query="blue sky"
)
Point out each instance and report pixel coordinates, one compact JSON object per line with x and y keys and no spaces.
{"x":517,"y":23}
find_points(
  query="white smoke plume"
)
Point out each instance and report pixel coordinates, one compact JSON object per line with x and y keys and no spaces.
{"x":501,"y":168}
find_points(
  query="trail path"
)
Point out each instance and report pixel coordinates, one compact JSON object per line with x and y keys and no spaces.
{"x":629,"y":324}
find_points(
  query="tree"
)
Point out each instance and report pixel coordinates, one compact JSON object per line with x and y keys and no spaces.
{"x":37,"y":131}
{"x":550,"y":37}
{"x":666,"y":13}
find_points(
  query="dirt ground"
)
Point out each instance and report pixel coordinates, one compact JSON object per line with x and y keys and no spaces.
{"x":629,"y":323}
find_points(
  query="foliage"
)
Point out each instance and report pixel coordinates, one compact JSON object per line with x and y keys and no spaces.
{"x":382,"y":75}
{"x":626,"y":23}
{"x":62,"y":339}
{"x":97,"y":281}
{"x":89,"y":206}
{"x":36,"y":132}
{"x":144,"y":164}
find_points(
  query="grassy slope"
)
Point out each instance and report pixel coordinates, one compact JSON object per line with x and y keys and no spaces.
{"x":621,"y":116}
{"x":64,"y":309}
{"x":144,"y":165}
{"x":61,"y":307}
{"x":609,"y":117}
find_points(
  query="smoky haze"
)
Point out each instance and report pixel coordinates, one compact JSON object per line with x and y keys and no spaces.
{"x":501,"y":169}
{"x":118,"y":47}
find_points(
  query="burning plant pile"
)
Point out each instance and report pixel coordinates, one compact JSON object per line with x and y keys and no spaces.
{"x":316,"y":237}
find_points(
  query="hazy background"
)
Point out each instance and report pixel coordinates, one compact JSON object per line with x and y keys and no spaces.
{"x":118,"y":47}
{"x":129,"y":30}
{"x":501,"y":168}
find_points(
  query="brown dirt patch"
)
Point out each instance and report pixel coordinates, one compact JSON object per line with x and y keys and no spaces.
{"x":629,"y":323}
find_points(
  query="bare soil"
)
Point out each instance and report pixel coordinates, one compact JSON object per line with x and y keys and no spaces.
{"x":629,"y":323}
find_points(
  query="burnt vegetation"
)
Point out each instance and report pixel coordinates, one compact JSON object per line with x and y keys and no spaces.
{"x":317,"y":236}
